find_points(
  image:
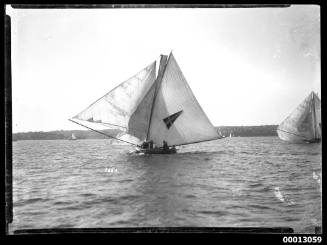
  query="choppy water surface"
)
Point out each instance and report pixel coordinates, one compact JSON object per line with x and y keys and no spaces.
{"x":257,"y":181}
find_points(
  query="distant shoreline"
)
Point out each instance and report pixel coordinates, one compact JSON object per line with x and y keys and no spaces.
{"x":226,"y":131}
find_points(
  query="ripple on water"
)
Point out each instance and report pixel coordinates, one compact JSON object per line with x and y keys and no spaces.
{"x":34,"y":200}
{"x":213,"y":213}
{"x":237,"y":176}
{"x":190,"y":196}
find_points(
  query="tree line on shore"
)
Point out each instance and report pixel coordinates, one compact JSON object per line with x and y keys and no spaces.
{"x":65,"y":134}
{"x":248,"y":131}
{"x":234,"y":131}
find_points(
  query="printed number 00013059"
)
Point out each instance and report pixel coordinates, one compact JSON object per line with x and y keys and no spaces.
{"x":302,"y":239}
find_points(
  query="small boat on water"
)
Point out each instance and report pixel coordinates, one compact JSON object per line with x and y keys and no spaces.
{"x":221,"y":135}
{"x":303,"y":125}
{"x":158,"y":112}
{"x":73,"y":137}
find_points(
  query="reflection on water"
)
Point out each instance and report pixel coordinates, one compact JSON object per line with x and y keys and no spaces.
{"x":229,"y":182}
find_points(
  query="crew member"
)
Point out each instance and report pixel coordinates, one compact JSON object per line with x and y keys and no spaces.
{"x":151,"y":144}
{"x":165,"y":145}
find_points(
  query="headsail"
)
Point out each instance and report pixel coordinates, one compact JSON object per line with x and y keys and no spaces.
{"x":177,"y":116}
{"x":301,"y":125}
{"x":126,"y":106}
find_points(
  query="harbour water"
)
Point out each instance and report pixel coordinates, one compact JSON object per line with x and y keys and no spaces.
{"x":235,"y":182}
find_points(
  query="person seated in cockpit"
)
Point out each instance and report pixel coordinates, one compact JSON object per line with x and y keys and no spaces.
{"x":165,"y":145}
{"x":151,"y":144}
{"x":144,"y":145}
{"x":147,"y":145}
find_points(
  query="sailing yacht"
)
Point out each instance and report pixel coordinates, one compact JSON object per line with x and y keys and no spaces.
{"x":73,"y":137}
{"x":157,"y":112}
{"x":303,"y":125}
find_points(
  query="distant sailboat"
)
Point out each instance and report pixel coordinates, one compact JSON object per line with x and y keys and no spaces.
{"x":303,"y":125}
{"x":73,"y":137}
{"x":156,"y":112}
{"x":221,"y":135}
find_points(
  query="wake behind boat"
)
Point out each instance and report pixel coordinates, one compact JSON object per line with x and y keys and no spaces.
{"x":157,"y":113}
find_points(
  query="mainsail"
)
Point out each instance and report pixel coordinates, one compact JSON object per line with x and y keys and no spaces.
{"x":304,"y":123}
{"x":149,"y":108}
{"x":174,"y":97}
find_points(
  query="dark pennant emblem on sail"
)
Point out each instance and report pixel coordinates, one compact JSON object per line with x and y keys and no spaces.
{"x":171,"y":119}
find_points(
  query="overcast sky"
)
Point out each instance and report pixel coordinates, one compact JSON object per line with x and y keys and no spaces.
{"x":245,"y":66}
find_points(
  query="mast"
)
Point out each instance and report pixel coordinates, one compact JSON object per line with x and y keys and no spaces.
{"x":162,"y":68}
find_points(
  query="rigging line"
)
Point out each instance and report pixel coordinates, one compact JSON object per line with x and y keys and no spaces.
{"x":292,"y":133}
{"x":102,"y":133}
{"x":194,"y":142}
{"x":106,"y":124}
{"x":111,"y":124}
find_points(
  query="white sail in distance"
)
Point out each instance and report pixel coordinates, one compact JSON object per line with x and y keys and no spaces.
{"x":126,"y":106}
{"x":317,"y":108}
{"x":177,"y":117}
{"x":304,"y":123}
